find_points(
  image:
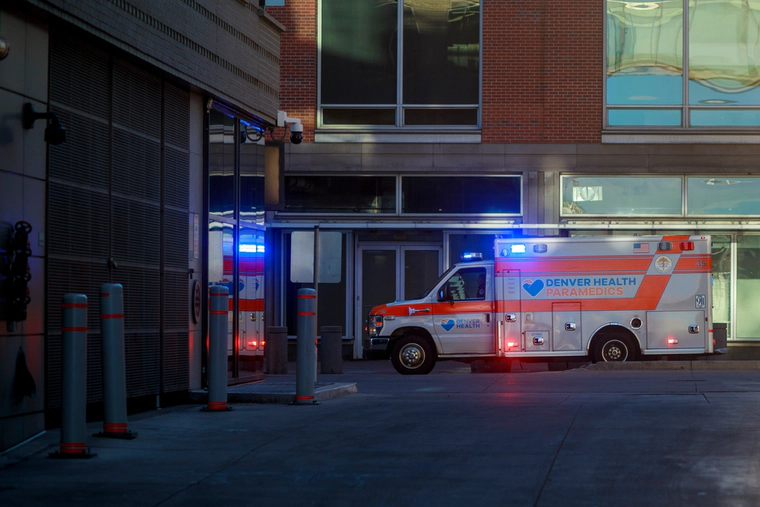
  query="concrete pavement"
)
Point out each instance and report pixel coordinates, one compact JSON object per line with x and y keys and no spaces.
{"x":530,"y":437}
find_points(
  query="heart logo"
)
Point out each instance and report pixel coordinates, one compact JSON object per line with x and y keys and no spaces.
{"x":533,"y":288}
{"x":447,"y":324}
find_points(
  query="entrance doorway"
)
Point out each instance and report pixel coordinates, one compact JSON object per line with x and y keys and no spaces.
{"x":386,"y":273}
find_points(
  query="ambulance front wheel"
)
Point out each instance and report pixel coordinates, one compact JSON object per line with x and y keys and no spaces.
{"x":614,"y":349}
{"x":413,"y":355}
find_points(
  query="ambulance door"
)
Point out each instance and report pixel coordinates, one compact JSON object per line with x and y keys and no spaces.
{"x":462,"y":315}
{"x":508,"y":311}
{"x":567,"y":326}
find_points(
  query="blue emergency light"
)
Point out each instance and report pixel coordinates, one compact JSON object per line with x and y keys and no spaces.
{"x":471,"y":256}
{"x":517,"y":249}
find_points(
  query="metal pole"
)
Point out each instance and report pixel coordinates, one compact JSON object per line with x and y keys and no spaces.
{"x":74,"y":385}
{"x":114,"y":363}
{"x":217,"y":349}
{"x":306,"y":357}
{"x":316,"y":293}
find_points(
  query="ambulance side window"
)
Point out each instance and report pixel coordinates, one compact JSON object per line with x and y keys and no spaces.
{"x":467,"y":284}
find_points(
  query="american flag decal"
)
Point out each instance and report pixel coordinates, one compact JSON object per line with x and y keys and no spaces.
{"x":641,"y":248}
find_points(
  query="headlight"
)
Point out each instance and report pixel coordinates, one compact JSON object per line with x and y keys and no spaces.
{"x":375,"y":324}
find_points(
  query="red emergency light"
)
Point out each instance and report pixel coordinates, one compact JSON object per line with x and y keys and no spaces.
{"x":687,"y":245}
{"x":672,"y":341}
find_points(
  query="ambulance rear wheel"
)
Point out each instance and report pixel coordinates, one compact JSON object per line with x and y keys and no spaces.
{"x":614,"y":349}
{"x":413,"y":355}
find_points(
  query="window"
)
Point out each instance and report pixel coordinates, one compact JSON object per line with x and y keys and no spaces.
{"x":466,"y":284}
{"x":622,"y":195}
{"x":340,"y":194}
{"x":426,"y":74}
{"x":683,"y":63}
{"x":724,"y":195}
{"x":471,"y":195}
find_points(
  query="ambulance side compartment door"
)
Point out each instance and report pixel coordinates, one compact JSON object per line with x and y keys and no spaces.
{"x":508,"y":311}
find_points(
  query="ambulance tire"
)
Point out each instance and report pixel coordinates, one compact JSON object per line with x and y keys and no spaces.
{"x":413,"y":355}
{"x":614,"y":348}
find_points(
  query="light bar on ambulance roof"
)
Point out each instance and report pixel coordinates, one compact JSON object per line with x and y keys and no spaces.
{"x":471,"y":256}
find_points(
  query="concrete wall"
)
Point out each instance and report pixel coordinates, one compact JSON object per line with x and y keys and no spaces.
{"x":23,"y":78}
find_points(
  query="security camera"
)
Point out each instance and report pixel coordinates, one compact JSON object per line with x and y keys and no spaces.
{"x":55,"y":133}
{"x":296,"y":133}
{"x":296,"y":127}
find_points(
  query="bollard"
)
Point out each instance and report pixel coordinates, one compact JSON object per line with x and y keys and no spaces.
{"x":74,"y":384}
{"x":331,"y":349}
{"x":277,"y":350}
{"x":217,"y":349}
{"x":114,"y":363}
{"x":306,"y":352}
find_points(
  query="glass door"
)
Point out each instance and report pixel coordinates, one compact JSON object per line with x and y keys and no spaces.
{"x":386,"y":273}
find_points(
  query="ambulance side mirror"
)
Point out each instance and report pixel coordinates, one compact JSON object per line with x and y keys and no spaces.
{"x":445,"y":294}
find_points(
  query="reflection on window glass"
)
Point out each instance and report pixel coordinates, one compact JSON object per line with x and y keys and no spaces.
{"x":441,"y":45}
{"x":360,"y":64}
{"x":645,"y":117}
{"x":220,"y":262}
{"x":466,"y":283}
{"x":359,"y":51}
{"x":592,"y":195}
{"x":721,"y":271}
{"x":221,"y":164}
{"x":460,"y":195}
{"x":725,"y":195}
{"x":340,"y":194}
{"x":748,"y":287}
{"x":644,"y":52}
{"x":725,"y":118}
{"x":645,"y":60}
{"x":724,"y":52}
{"x":251,"y":178}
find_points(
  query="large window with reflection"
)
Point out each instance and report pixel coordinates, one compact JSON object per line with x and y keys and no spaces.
{"x":403,"y":63}
{"x":622,"y":195}
{"x":683,"y":63}
{"x":461,"y":195}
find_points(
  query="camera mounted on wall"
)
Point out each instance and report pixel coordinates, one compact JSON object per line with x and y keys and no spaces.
{"x":55,"y":133}
{"x":293,"y":124}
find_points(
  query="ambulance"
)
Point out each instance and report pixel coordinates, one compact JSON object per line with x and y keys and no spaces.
{"x":608,"y":298}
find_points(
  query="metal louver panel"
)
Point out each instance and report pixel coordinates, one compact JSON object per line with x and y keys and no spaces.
{"x":80,"y":77}
{"x":136,"y":232}
{"x":136,"y":167}
{"x":136,"y":100}
{"x":141,"y":297}
{"x":83,"y":158}
{"x":176,"y":178}
{"x":176,"y":117}
{"x":176,"y":301}
{"x":77,"y":224}
{"x":143,"y":365}
{"x":176,"y":239}
{"x":176,"y":371}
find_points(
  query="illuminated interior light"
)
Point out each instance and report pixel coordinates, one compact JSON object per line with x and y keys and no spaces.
{"x":517,"y":248}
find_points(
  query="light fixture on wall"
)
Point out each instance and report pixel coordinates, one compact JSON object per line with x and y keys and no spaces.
{"x":5,"y":48}
{"x":54,"y":132}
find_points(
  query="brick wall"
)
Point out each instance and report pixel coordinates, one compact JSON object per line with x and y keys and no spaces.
{"x":542,"y":71}
{"x":298,"y":62}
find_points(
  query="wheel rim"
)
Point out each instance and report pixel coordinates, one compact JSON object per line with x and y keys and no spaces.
{"x":615,"y":351}
{"x":412,"y":356}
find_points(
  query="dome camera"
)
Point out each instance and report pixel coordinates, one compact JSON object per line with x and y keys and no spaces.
{"x":296,"y":133}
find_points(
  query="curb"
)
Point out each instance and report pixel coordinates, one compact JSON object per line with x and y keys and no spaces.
{"x":274,"y":392}
{"x":735,"y":365}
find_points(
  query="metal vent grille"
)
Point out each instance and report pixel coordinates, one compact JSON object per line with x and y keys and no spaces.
{"x":136,"y":165}
{"x":83,"y":158}
{"x":143,"y":365}
{"x":176,"y":240}
{"x":176,"y":371}
{"x":72,"y":277}
{"x":77,"y":223}
{"x":176,"y":301}
{"x":136,"y":230}
{"x":176,"y":176}
{"x":141,"y":297}
{"x":80,"y":77}
{"x":177,"y":117}
{"x":136,"y":99}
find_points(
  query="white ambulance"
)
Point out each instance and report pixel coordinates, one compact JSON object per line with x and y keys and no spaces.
{"x":606,"y":298}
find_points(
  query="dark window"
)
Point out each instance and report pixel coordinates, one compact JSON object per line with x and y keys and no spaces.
{"x":461,"y":195}
{"x":340,"y":194}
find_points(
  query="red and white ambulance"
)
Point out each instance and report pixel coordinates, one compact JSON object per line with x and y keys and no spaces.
{"x":609,"y":298}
